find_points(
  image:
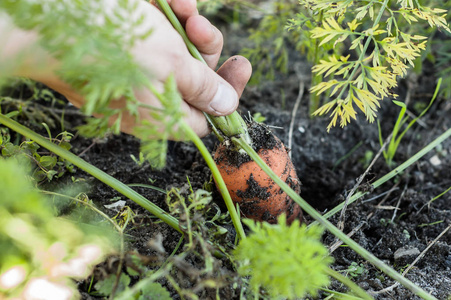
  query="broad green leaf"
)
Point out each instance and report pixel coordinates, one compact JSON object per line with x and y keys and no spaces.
{"x":47,"y":161}
{"x":105,"y":286}
{"x":153,"y":291}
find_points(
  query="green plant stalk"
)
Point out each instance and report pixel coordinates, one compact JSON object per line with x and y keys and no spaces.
{"x":390,"y":152}
{"x":339,"y":295}
{"x":90,"y":169}
{"x":217,"y":176}
{"x":330,"y":227}
{"x":438,"y":196}
{"x":396,"y":140}
{"x":395,"y":172}
{"x":314,"y":100}
{"x":358,"y":291}
{"x":231,"y":125}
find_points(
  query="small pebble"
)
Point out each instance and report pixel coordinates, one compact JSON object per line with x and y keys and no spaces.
{"x":406,"y":252}
{"x":435,"y":161}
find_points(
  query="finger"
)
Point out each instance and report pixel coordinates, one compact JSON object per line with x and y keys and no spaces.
{"x":184,"y":9}
{"x":206,"y":37}
{"x":191,"y":115}
{"x":196,"y":120}
{"x":202,"y":88}
{"x":237,"y":71}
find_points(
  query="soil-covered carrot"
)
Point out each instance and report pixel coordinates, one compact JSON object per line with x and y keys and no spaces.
{"x":259,"y":198}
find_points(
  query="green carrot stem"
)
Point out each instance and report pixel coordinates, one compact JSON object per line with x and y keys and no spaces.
{"x":358,"y":291}
{"x":329,"y":226}
{"x":315,"y":99}
{"x":218,"y":178}
{"x":90,"y":169}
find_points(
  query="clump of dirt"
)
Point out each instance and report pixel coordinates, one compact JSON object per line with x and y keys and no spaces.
{"x":262,"y":139}
{"x":254,"y":190}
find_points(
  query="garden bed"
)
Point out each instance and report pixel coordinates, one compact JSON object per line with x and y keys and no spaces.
{"x":394,"y":221}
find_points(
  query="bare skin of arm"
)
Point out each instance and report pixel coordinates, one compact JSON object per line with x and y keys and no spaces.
{"x":202,"y":88}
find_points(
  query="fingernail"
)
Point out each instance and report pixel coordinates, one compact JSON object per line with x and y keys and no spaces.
{"x":225,"y":100}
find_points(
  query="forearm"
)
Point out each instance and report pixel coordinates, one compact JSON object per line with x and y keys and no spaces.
{"x":21,"y":54}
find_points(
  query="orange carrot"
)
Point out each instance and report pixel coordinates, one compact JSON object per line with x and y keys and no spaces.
{"x":259,"y":198}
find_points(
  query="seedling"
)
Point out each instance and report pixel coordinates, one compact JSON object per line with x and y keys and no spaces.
{"x":48,"y":166}
{"x":431,"y":224}
{"x":258,"y":117}
{"x":438,"y":196}
{"x":397,"y":136}
{"x":356,"y":270}
{"x":139,"y":161}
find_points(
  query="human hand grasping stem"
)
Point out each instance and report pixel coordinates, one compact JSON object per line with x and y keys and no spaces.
{"x":161,"y":54}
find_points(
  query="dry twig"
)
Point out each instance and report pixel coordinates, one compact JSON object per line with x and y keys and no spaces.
{"x":341,"y":220}
{"x":293,"y":114}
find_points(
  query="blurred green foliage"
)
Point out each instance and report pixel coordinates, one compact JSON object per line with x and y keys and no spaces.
{"x":39,"y":248}
{"x":288,"y":260}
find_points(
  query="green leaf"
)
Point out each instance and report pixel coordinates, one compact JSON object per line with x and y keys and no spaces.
{"x":105,"y":287}
{"x":10,"y":149}
{"x":50,"y":174}
{"x":47,"y":161}
{"x":30,"y":146}
{"x":153,"y":291}
{"x":65,"y":145}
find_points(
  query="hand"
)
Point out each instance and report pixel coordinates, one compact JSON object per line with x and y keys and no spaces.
{"x":201,"y":88}
{"x":164,"y":53}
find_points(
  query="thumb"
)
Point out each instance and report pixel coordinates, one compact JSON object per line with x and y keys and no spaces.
{"x":205,"y":90}
{"x":237,"y":71}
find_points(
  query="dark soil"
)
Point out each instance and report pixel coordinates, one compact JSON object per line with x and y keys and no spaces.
{"x":394,"y":222}
{"x":328,"y":164}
